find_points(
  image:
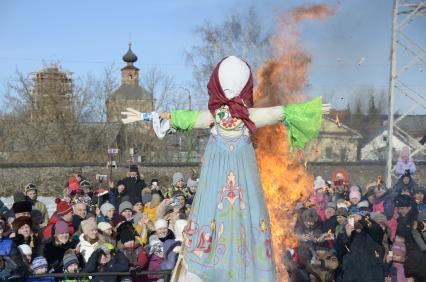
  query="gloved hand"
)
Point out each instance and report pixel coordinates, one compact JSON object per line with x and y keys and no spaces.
{"x":135,"y":270}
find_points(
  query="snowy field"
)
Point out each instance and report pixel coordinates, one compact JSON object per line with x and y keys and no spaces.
{"x":48,"y":201}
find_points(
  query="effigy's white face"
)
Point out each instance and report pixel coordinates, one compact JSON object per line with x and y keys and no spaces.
{"x":233,"y":76}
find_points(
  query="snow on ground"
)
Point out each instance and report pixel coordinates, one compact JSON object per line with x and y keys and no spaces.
{"x":48,"y":201}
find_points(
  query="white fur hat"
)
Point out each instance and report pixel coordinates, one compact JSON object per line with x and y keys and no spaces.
{"x":160,"y":223}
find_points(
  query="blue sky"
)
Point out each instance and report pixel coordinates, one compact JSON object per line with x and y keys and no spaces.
{"x":86,"y":36}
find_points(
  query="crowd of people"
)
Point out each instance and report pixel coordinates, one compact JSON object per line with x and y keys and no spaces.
{"x":128,"y":227}
{"x":345,"y":232}
{"x":351,"y":233}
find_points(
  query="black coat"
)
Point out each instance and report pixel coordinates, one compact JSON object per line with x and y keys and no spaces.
{"x":118,"y":263}
{"x":361,"y":255}
{"x":54,"y":253}
{"x":134,"y":187}
{"x":414,"y":265}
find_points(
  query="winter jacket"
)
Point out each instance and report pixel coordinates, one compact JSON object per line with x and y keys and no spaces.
{"x":361,"y":254}
{"x":33,"y":241}
{"x":134,"y":187}
{"x":54,"y":253}
{"x":118,"y":263}
{"x":136,"y":256}
{"x":402,"y":166}
{"x":12,"y":258}
{"x":400,"y":186}
{"x":3,"y":209}
{"x":154,"y":265}
{"x":386,"y":203}
{"x":48,"y":231}
{"x":415,"y":258}
{"x":87,"y":248}
{"x":170,"y":257}
{"x":115,"y":198}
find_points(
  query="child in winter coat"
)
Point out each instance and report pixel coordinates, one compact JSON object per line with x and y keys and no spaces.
{"x":40,"y":266}
{"x":71,"y":265}
{"x":89,"y":240}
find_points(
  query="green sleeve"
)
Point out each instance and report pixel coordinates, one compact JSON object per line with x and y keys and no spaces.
{"x":184,"y":120}
{"x":303,"y":121}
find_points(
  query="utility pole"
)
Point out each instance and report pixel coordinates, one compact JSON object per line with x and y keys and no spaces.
{"x":404,"y":14}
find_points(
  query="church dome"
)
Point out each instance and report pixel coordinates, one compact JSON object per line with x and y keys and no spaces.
{"x":130,"y":57}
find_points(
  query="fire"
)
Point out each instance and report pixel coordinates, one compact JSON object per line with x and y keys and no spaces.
{"x":281,"y":80}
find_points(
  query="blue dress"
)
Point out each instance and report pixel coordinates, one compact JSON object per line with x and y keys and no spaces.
{"x":228,"y":236}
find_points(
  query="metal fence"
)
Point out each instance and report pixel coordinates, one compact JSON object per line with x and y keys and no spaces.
{"x":122,"y":276}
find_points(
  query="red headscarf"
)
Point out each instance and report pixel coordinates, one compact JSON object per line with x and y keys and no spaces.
{"x":238,"y":106}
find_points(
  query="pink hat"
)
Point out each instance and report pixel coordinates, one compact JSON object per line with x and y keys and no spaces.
{"x":355,"y":194}
{"x":61,"y":227}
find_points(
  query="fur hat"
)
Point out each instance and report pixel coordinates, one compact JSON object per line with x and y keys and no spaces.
{"x":125,"y":234}
{"x":89,"y":225}
{"x":62,"y":207}
{"x":363,"y":204}
{"x":137,"y":217}
{"x":22,"y":206}
{"x":126,"y":205}
{"x":106,"y":207}
{"x":146,"y":198}
{"x":39,"y":262}
{"x":21,"y":221}
{"x":177,"y":177}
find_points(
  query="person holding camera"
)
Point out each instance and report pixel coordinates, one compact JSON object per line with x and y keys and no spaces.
{"x":106,"y":259}
{"x":360,"y":251}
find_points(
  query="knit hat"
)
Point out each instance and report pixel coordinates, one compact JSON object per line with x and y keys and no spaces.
{"x":21,"y":221}
{"x":73,"y":187}
{"x":61,"y":227}
{"x":154,"y":180}
{"x":160,"y":223}
{"x":62,"y":207}
{"x":319,"y":183}
{"x":177,"y":177}
{"x":331,"y":205}
{"x":126,"y":205}
{"x":403,"y":200}
{"x":25,"y":250}
{"x":355,"y":194}
{"x":341,"y":205}
{"x":134,"y":168}
{"x":146,"y":198}
{"x":106,"y":207}
{"x":180,"y":225}
{"x":39,"y":262}
{"x":88,"y":225}
{"x":136,"y":199}
{"x":69,"y":258}
{"x":18,"y":196}
{"x":379,"y":217}
{"x":29,"y":187}
{"x":342,"y":212}
{"x":22,"y":206}
{"x":191,"y":183}
{"x":120,"y":182}
{"x":104,"y":226}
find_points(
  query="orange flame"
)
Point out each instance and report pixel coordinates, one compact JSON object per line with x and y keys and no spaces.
{"x":284,"y":178}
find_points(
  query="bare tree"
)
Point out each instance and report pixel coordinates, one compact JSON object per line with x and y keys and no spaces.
{"x":53,"y":118}
{"x":240,"y":35}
